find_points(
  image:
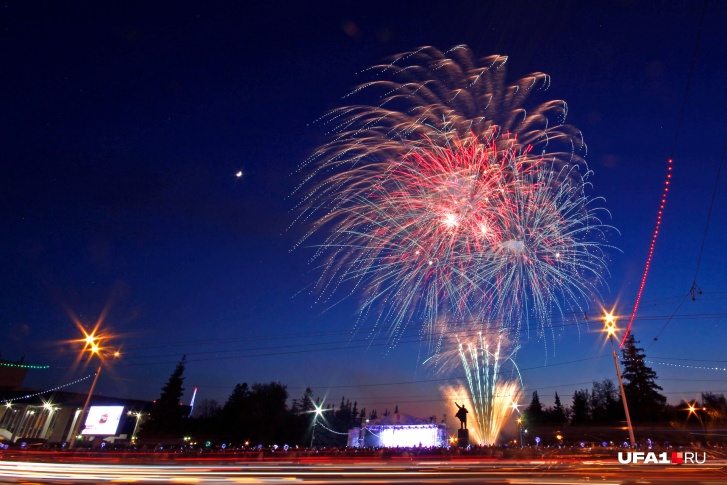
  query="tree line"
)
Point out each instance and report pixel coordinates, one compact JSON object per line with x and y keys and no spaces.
{"x":253,"y":414}
{"x":260,"y":414}
{"x":602,"y":404}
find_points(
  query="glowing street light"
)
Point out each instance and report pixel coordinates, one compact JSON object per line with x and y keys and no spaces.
{"x":92,"y":345}
{"x":137,"y":415}
{"x":318,"y":411}
{"x":520,"y":427}
{"x":610,"y":328}
{"x":610,"y":325}
{"x":692,"y":408}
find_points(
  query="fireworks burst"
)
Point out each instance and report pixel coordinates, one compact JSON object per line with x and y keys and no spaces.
{"x":492,"y":398}
{"x":448,"y":194}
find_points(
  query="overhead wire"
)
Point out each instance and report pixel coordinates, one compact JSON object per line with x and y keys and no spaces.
{"x":303,"y":348}
{"x":694,"y":290}
{"x":414,"y":337}
{"x":666,"y":185}
{"x":673,"y":152}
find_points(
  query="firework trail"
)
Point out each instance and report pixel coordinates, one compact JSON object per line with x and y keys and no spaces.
{"x":449,"y":195}
{"x":491,"y":397}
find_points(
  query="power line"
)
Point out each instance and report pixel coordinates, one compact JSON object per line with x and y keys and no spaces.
{"x":666,"y":185}
{"x":567,"y":320}
{"x":694,"y":290}
{"x":300,"y":348}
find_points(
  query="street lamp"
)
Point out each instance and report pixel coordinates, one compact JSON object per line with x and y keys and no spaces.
{"x":47,"y":406}
{"x":520,"y":427}
{"x":692,"y":408}
{"x":610,"y":328}
{"x":318,"y":410}
{"x":92,"y":344}
{"x":137,"y":415}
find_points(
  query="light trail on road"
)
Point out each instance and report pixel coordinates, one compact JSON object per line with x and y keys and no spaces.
{"x":368,"y":471}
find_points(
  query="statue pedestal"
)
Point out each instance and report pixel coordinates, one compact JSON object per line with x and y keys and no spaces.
{"x":463,"y":438}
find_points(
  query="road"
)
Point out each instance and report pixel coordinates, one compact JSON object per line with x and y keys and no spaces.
{"x":368,"y":471}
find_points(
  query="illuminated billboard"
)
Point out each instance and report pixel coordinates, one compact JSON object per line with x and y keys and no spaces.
{"x":102,"y":420}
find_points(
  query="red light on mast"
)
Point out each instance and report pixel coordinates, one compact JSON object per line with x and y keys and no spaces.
{"x":651,"y":254}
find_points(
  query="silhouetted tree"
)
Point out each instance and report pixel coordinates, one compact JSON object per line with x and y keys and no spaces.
{"x":207,"y":408}
{"x":302,"y":415}
{"x":234,"y":415}
{"x":642,"y":391}
{"x":306,"y":402}
{"x":606,"y":405}
{"x":165,"y":418}
{"x":238,"y":397}
{"x":715,"y":409}
{"x":333,"y":426}
{"x":556,"y":414}
{"x":581,"y":408}
{"x":268,"y":413}
{"x":534,"y":411}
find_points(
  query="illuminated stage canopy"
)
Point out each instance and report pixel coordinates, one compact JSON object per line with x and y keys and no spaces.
{"x":399,"y":436}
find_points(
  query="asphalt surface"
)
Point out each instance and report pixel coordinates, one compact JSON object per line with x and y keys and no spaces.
{"x":69,"y":469}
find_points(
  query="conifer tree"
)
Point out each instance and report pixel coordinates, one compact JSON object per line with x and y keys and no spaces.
{"x":306,"y":402}
{"x":165,"y":418}
{"x":534,"y":411}
{"x":642,"y":391}
{"x":581,"y":409}
{"x":557,"y":414}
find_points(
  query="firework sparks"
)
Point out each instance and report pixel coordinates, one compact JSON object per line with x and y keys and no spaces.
{"x":449,"y":195}
{"x":551,"y":247}
{"x":491,"y":397}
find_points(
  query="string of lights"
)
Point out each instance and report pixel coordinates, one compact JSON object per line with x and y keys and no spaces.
{"x":28,"y":396}
{"x":685,"y":366}
{"x":329,"y":429}
{"x":23,"y":366}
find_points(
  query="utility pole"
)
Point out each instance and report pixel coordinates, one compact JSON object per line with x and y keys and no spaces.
{"x":83,"y":412}
{"x":610,"y":322}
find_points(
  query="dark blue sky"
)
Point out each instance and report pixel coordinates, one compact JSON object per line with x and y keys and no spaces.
{"x":124,"y":124}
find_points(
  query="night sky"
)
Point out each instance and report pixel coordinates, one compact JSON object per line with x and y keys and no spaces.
{"x":124,"y":124}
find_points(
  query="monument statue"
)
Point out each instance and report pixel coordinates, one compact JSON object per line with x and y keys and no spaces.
{"x":461,"y":415}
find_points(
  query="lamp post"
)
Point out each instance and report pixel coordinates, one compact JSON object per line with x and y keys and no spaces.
{"x":520,"y":427}
{"x":610,"y":329}
{"x":318,"y":411}
{"x":92,"y":345}
{"x":692,"y":408}
{"x":137,"y":415}
{"x":47,"y":406}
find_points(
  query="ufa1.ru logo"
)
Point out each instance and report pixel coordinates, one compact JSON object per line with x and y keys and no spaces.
{"x":673,"y":458}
